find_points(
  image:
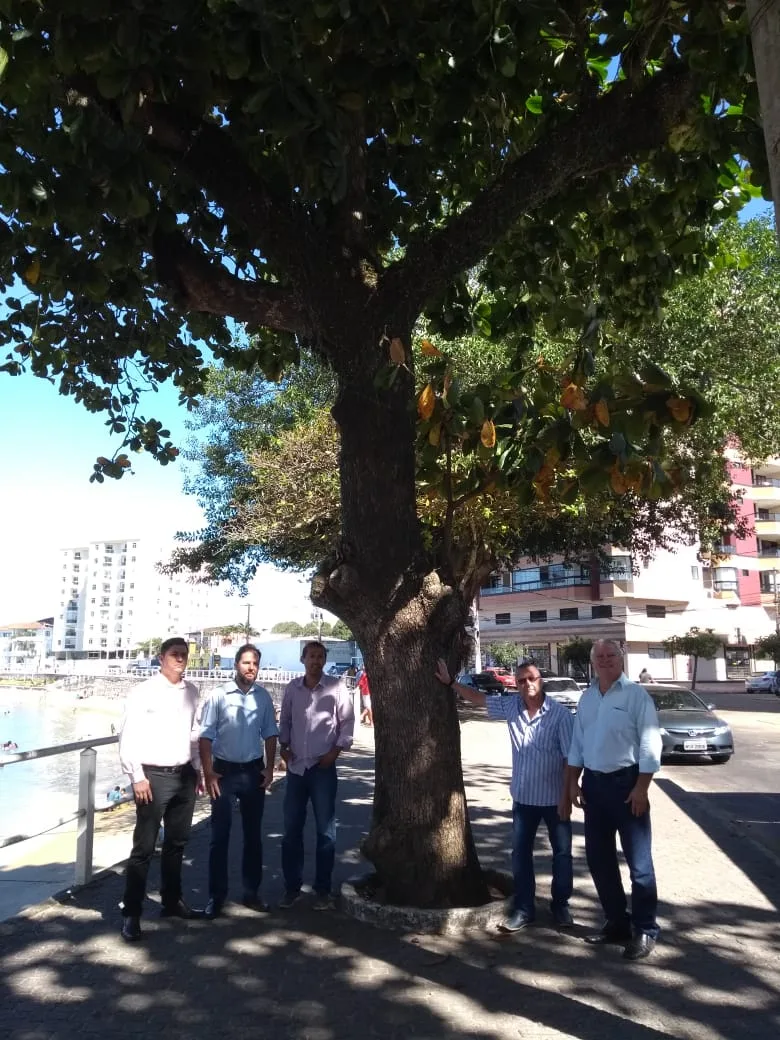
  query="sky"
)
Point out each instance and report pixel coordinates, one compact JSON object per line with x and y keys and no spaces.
{"x":48,"y":445}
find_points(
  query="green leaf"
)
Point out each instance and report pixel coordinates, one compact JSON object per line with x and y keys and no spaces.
{"x":534,"y":104}
{"x":3,"y":61}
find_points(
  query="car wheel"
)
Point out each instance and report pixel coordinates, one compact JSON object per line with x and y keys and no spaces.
{"x":719,"y":760}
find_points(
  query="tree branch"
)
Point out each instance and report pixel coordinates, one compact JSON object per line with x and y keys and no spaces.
{"x":281,"y":230}
{"x":208,"y":287}
{"x":612,"y":133}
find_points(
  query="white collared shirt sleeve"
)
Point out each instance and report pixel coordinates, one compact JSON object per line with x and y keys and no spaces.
{"x":650,"y":742}
{"x":345,"y":717}
{"x":132,"y":734}
{"x":575,"y":747}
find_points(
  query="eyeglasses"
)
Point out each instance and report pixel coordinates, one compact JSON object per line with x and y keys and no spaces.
{"x":531,"y":679}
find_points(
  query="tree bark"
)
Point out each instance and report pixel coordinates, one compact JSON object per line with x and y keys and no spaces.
{"x":383,"y":586}
{"x":765,"y":33}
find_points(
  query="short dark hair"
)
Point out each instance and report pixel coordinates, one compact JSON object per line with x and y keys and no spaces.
{"x":311,"y":643}
{"x":245,"y":650}
{"x":169,"y":644}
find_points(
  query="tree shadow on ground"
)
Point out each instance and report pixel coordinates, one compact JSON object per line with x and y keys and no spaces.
{"x":312,"y":976}
{"x":745,"y":825}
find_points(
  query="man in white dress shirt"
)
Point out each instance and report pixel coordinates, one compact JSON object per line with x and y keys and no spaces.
{"x":617,"y":740}
{"x":159,"y":752}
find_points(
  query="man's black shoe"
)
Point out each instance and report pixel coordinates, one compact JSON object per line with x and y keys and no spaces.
{"x":131,"y":929}
{"x":181,"y":909}
{"x":641,"y":946}
{"x":213,"y":909}
{"x":252,"y":902}
{"x":609,"y":934}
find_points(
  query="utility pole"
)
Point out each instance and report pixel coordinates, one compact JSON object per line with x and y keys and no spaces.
{"x":248,"y":627}
{"x":777,"y":600}
{"x":316,"y":615}
{"x":477,"y":640}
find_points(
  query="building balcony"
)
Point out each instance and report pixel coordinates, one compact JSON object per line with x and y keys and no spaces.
{"x":768,"y":528}
{"x":559,"y":576}
{"x":765,"y":494}
{"x":537,"y":585}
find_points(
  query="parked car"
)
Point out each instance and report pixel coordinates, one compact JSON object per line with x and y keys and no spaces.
{"x":504,"y":676}
{"x":769,"y":682}
{"x":564,"y":690}
{"x":486,"y":682}
{"x":689,"y":727}
{"x":338,"y":668}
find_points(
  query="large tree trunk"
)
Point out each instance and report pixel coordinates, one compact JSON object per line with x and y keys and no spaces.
{"x":765,"y":32}
{"x":384,"y":586}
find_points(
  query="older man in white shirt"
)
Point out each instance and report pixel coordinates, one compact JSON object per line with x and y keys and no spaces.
{"x":617,"y":739}
{"x":158,"y":750}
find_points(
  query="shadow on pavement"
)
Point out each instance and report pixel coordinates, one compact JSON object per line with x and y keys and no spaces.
{"x":65,"y":973}
{"x":731,"y":817}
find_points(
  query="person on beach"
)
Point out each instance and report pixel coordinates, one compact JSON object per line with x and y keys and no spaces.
{"x":540,"y":730}
{"x":158,"y":749}
{"x":316,"y":724}
{"x":238,"y":750}
{"x":617,"y":741}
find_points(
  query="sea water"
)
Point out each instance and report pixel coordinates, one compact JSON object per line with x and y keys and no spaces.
{"x":34,"y":795}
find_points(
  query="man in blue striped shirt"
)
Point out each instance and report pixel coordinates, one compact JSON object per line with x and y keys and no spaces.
{"x":540,"y":730}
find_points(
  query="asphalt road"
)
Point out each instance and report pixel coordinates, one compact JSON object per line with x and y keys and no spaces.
{"x":744,"y":793}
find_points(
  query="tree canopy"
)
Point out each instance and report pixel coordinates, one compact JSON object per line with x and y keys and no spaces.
{"x":259,"y":449}
{"x":172,"y":167}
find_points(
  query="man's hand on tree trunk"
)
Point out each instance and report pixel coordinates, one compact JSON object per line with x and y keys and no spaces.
{"x":442,"y":672}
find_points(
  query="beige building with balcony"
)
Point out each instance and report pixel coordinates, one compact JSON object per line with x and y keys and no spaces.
{"x":543,"y":606}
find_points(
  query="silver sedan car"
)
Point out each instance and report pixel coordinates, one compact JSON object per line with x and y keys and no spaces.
{"x":769,"y":682}
{"x":689,"y":727}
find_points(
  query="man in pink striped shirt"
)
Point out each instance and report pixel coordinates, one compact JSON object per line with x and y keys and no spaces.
{"x":315,"y":725}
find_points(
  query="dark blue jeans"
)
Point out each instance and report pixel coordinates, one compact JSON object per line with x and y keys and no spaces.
{"x":319,"y":785}
{"x":525,"y":823}
{"x":607,"y":815}
{"x":244,"y":785}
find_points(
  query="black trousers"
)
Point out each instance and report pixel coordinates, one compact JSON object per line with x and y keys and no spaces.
{"x":173,"y":803}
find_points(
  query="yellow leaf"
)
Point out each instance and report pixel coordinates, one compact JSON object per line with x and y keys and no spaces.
{"x":488,"y":434}
{"x":397,"y":351}
{"x":33,"y":272}
{"x":618,"y":481}
{"x":434,"y":435}
{"x":426,"y":402}
{"x":428,"y":349}
{"x":601,"y":411}
{"x":573,"y":398}
{"x":543,"y":482}
{"x":680,"y":408}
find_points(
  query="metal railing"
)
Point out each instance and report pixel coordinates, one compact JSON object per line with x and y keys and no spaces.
{"x":85,"y":812}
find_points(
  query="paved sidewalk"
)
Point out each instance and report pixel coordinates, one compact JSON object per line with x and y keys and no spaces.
{"x":302,"y":975}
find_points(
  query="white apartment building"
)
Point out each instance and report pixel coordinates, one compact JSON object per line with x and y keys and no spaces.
{"x":543,"y":606}
{"x":26,"y":646}
{"x":112,"y":597}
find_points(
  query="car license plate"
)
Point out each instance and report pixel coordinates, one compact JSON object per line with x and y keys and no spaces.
{"x":694,"y":745}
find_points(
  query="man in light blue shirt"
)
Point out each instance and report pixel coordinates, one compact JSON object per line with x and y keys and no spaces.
{"x":617,"y":740}
{"x":540,"y":730}
{"x":237,"y":749}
